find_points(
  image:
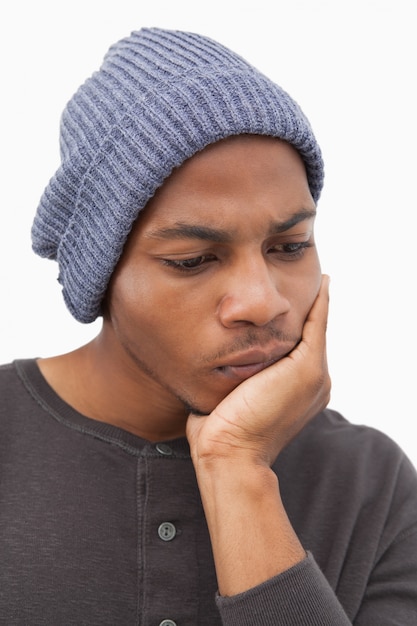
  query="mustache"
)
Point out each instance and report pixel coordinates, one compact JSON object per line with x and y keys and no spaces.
{"x":253,"y":338}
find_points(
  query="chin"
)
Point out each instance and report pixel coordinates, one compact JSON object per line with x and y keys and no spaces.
{"x":201,"y":407}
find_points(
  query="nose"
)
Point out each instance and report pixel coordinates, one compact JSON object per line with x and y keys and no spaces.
{"x":251,"y":294}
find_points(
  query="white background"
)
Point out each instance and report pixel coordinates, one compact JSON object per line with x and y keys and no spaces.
{"x":351,"y":66}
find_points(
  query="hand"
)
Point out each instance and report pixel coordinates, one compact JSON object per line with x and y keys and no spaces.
{"x":260,"y":416}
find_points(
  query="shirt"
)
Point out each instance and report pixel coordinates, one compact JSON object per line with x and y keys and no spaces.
{"x":100,"y":527}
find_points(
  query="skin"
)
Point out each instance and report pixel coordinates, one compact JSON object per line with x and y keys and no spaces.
{"x":214,"y":328}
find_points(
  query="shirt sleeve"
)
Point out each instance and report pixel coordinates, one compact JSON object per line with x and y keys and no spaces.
{"x":300,"y":595}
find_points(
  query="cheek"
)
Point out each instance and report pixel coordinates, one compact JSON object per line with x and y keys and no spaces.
{"x":147,"y":311}
{"x":129,"y":298}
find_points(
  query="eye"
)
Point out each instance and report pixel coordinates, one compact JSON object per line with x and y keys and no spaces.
{"x":291,"y":250}
{"x":188,"y":265}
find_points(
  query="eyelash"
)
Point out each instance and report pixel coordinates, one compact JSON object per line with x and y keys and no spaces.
{"x":182,"y":267}
{"x":296,"y":251}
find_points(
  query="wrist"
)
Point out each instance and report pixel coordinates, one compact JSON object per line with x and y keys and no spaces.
{"x":242,"y":476}
{"x":251,"y":536}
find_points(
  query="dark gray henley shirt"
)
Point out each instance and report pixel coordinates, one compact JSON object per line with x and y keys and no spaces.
{"x":101,"y":528}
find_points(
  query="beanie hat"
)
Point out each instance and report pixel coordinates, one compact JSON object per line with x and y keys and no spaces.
{"x":159,"y":97}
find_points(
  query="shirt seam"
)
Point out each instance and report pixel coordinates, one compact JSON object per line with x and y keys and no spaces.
{"x":75,"y":427}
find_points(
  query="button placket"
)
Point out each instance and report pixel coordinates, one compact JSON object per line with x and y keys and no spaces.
{"x":169,"y":472}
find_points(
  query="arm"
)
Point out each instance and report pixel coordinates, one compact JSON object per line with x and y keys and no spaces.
{"x":256,"y":550}
{"x":233,"y":449}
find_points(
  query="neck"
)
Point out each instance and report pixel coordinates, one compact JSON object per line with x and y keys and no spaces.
{"x":102,"y":382}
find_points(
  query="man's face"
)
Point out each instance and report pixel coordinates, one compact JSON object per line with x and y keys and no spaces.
{"x":218,"y":274}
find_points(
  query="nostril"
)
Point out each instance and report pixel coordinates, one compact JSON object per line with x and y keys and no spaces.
{"x":254,"y":307}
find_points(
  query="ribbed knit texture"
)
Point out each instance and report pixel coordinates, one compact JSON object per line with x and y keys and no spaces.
{"x":159,"y":97}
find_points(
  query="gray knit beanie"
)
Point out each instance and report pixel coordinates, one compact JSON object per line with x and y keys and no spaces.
{"x":159,"y":97}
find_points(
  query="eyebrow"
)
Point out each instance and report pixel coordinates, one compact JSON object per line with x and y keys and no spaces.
{"x":183,"y":230}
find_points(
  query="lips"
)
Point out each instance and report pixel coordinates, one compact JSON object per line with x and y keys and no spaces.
{"x":242,"y":372}
{"x":248,"y":364}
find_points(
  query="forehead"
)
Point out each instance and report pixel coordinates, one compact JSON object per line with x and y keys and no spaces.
{"x":240,"y":180}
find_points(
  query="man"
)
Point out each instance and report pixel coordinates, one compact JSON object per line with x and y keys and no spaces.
{"x":182,"y":468}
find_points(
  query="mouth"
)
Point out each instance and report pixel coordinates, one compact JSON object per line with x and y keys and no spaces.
{"x":245,"y":365}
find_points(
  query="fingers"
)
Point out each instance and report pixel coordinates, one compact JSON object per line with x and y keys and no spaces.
{"x":310,"y":357}
{"x":314,"y":337}
{"x":314,"y":332}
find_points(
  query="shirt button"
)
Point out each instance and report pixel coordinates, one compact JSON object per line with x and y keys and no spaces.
{"x":168,"y":622}
{"x":167,"y":531}
{"x":163,"y":449}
